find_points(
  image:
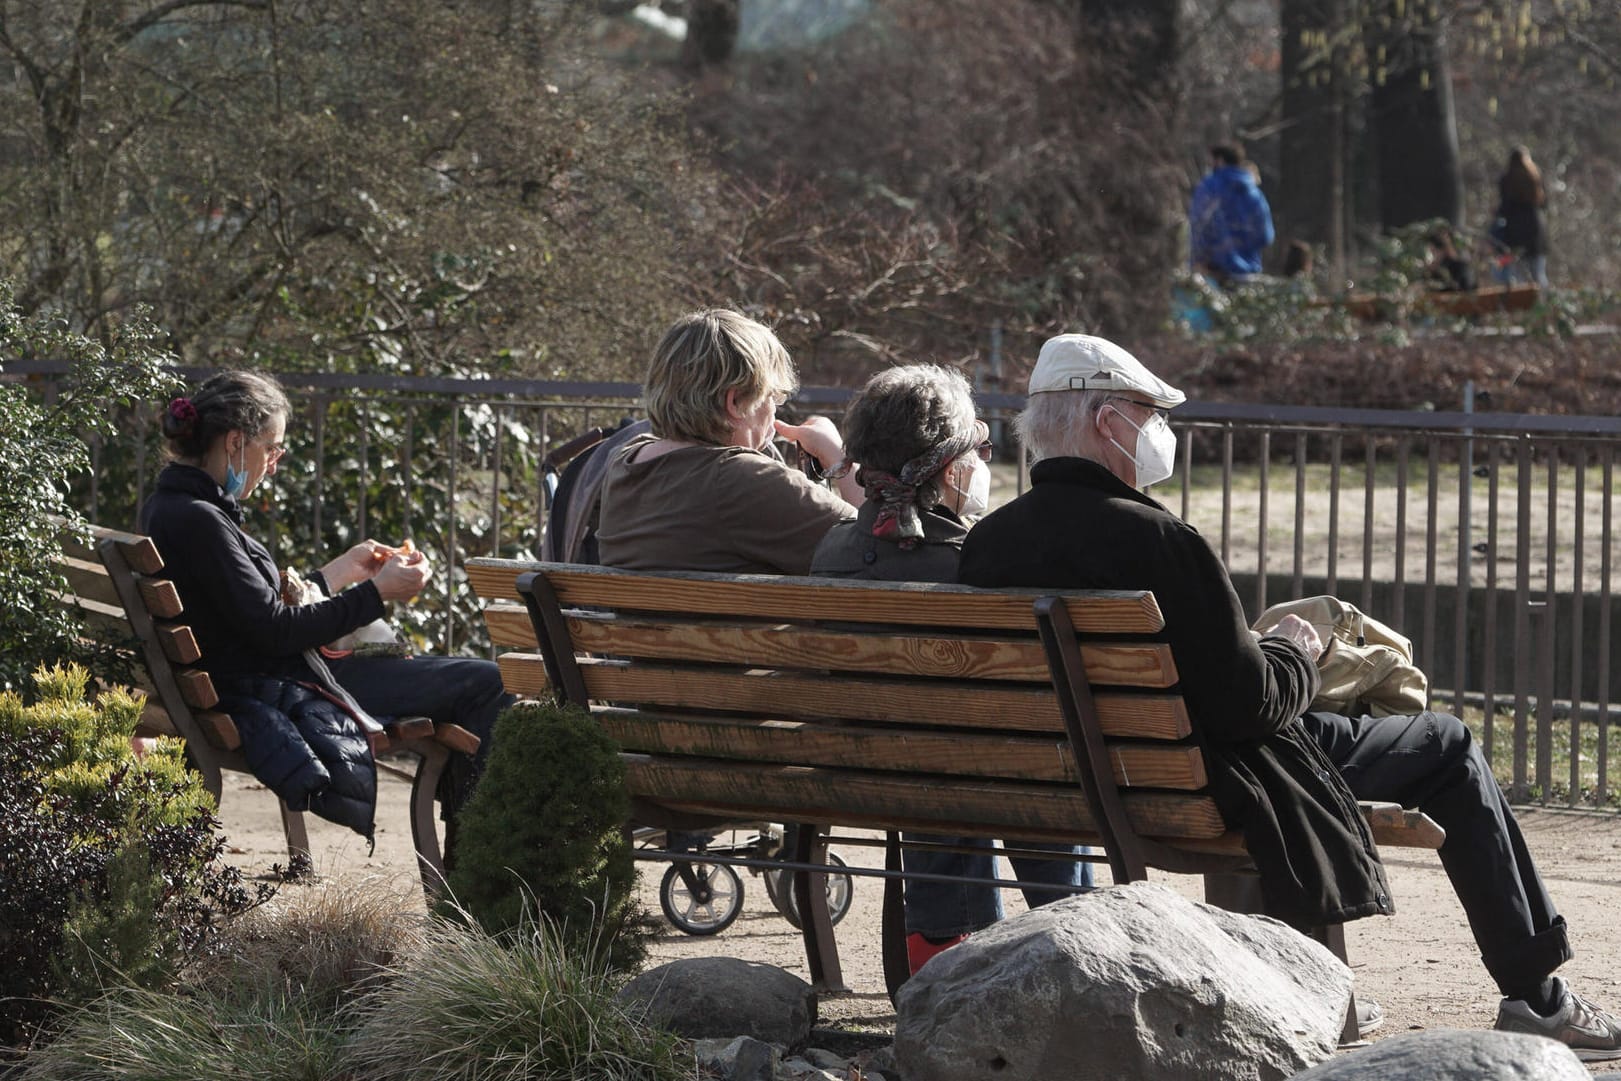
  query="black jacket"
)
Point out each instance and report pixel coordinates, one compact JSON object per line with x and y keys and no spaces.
{"x":299,"y":742}
{"x":1080,"y":527}
{"x":851,"y":551}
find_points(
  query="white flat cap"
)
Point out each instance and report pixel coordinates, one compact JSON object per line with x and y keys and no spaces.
{"x":1082,"y":362}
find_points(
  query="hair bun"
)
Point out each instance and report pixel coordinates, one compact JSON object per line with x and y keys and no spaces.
{"x":181,"y":418}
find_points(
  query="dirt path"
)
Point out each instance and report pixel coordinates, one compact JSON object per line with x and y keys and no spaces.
{"x":1420,"y":964}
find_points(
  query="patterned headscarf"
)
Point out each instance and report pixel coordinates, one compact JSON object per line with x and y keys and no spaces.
{"x":896,"y":493}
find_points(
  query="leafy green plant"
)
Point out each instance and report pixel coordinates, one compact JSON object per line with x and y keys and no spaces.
{"x":545,"y":830}
{"x":43,"y":445}
{"x":110,"y":872}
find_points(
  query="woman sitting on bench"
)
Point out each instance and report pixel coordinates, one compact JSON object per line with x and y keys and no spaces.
{"x":302,"y":713}
{"x":922,"y":457}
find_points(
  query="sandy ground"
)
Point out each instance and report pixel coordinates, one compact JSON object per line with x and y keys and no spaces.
{"x":1420,"y":964}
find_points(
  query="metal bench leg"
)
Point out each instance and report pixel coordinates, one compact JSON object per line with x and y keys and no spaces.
{"x":298,"y":838}
{"x":1333,"y":936}
{"x":424,"y":833}
{"x":810,"y":892}
{"x":897,"y":969}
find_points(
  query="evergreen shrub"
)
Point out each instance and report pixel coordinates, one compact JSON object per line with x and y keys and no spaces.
{"x":544,"y":833}
{"x":108,"y":869}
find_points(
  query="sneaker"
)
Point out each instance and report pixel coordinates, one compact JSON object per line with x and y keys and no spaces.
{"x":1369,"y":1017}
{"x":920,"y":949}
{"x":1594,"y":1035}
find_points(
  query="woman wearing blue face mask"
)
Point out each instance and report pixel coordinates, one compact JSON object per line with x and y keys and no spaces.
{"x":921,"y":457}
{"x":300,"y":709}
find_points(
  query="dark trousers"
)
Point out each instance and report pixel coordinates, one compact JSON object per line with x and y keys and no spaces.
{"x":1431,"y":761}
{"x":450,"y":690}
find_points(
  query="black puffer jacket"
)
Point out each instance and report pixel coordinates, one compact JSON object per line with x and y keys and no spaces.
{"x":304,"y":747}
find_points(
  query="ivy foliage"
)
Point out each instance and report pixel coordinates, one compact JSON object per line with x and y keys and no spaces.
{"x":44,"y":445}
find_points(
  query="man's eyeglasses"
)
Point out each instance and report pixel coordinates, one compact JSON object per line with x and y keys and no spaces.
{"x":274,"y":451}
{"x":1160,"y":411}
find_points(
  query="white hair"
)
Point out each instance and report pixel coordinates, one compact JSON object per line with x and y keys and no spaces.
{"x":1057,"y":424}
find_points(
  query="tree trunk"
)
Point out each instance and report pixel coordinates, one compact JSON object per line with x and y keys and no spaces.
{"x":1410,"y":115}
{"x":1311,"y":203}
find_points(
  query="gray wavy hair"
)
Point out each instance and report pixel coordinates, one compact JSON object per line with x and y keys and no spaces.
{"x":904,"y":412}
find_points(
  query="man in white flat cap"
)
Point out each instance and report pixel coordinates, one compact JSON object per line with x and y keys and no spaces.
{"x":1288,"y":778}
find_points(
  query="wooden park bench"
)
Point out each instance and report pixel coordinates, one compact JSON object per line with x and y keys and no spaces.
{"x":1487,"y":300}
{"x":1025,"y":716}
{"x":115,"y":584}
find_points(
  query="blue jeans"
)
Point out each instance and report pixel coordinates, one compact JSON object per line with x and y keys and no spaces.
{"x":947,"y":909}
{"x":450,"y":690}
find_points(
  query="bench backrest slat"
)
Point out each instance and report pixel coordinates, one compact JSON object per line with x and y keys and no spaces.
{"x":859,"y":746}
{"x":857,"y":797}
{"x":797,"y":599}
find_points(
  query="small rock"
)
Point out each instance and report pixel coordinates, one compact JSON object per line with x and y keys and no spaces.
{"x":738,"y":1059}
{"x":827,"y":1060}
{"x":722,"y":997}
{"x":1454,"y":1055}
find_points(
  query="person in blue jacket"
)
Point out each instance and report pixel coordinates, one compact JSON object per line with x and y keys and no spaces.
{"x":1229,"y":221}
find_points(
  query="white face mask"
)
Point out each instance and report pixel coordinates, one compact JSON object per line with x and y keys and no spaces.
{"x":976,"y":499}
{"x":1155,"y":457}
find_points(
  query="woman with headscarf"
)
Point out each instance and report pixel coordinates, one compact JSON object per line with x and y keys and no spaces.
{"x":921,"y":456}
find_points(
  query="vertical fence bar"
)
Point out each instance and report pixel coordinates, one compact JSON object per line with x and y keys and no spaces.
{"x":1549,"y":627}
{"x":1336,"y":448}
{"x":318,"y":406}
{"x":500,"y":412}
{"x":407,"y":473}
{"x":1263,"y":477}
{"x":1187,"y":471}
{"x":1465,"y":580}
{"x":1606,"y":521}
{"x":540,"y":482}
{"x":365,"y":467}
{"x":1522,"y":620}
{"x":1369,"y":479}
{"x":1298,"y":580}
{"x":1578,"y":641}
{"x":96,"y":445}
{"x":1227,"y":495}
{"x":450,"y":529}
{"x":140,"y":471}
{"x":1432,"y":507}
{"x":1488,"y":664}
{"x":1398,"y":608}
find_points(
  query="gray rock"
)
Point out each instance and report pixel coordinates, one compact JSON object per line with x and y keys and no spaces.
{"x":739,"y":1059}
{"x":708,"y":997}
{"x":1454,"y":1055}
{"x":1130,"y":981}
{"x":826,"y":1060}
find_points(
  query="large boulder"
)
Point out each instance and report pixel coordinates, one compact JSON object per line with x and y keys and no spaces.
{"x":1454,"y":1055}
{"x":1130,"y":981}
{"x":722,"y":997}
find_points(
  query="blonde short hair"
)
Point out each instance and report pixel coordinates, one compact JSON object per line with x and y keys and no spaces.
{"x":702,"y":357}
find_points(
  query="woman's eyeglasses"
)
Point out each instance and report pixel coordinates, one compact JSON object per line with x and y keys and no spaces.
{"x":984,"y":450}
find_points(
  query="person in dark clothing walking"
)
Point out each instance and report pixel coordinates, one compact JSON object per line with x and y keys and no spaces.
{"x":1523,"y":229}
{"x":1287,"y":777}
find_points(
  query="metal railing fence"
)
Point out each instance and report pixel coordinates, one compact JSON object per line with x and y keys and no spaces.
{"x":1486,"y":538}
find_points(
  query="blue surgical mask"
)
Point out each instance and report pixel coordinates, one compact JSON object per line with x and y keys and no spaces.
{"x":236,"y":480}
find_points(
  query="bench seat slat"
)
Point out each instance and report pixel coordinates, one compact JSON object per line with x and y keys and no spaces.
{"x":876,"y":747}
{"x":851,"y":798}
{"x":772,"y":597}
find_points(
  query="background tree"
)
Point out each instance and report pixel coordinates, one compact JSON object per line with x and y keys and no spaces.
{"x":406,"y":185}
